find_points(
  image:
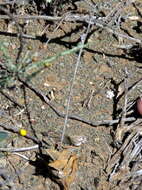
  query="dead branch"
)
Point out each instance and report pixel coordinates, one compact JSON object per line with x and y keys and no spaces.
{"x":45,"y":99}
{"x":100,"y":22}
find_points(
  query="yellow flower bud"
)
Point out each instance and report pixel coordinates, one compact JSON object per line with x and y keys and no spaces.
{"x":23,"y":132}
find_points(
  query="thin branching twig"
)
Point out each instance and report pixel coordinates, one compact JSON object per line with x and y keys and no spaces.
{"x":100,"y":22}
{"x":45,"y":99}
{"x":84,"y":36}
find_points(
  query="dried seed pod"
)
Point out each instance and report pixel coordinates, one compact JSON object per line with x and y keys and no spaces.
{"x":139,"y":106}
{"x":77,"y":140}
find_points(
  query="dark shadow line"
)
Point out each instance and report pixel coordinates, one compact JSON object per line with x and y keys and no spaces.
{"x":9,"y":34}
{"x":122,"y":56}
{"x":67,"y":44}
{"x":11,"y":99}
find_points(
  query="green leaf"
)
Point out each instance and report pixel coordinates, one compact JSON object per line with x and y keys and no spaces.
{"x":3,"y":135}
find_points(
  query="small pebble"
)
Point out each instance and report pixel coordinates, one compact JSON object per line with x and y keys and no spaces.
{"x":139,"y":106}
{"x":77,"y":140}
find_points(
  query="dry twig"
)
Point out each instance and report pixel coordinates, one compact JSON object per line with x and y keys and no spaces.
{"x":23,"y":149}
{"x":100,"y":22}
{"x":84,"y":36}
{"x":44,"y":98}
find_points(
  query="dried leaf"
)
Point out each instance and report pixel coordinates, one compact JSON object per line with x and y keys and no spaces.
{"x":65,"y":154}
{"x":70,"y":171}
{"x":56,"y":155}
{"x":66,"y":166}
{"x":58,"y":164}
{"x":69,"y":166}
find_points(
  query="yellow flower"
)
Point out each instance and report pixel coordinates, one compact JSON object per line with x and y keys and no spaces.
{"x":23,"y":132}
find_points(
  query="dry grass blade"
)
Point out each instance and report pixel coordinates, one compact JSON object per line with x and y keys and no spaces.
{"x":19,"y":149}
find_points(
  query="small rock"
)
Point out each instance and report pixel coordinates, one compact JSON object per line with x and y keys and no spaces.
{"x":139,"y":106}
{"x":77,"y":140}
